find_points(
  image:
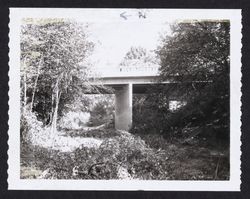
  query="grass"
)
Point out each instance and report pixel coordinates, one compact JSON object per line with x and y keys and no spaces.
{"x":196,"y":160}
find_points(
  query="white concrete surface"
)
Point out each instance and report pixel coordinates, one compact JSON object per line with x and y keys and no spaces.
{"x":123,"y":108}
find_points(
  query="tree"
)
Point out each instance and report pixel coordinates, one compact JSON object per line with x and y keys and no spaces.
{"x":197,"y":50}
{"x":53,"y":57}
{"x":137,"y":56}
{"x":196,"y":56}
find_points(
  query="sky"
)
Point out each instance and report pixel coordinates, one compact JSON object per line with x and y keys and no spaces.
{"x":114,"y":35}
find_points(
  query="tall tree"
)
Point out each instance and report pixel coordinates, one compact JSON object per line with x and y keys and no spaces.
{"x":196,"y":50}
{"x":196,"y":55}
{"x":55,"y":53}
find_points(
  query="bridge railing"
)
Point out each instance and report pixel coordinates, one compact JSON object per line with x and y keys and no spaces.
{"x":128,"y":71}
{"x":139,"y":69}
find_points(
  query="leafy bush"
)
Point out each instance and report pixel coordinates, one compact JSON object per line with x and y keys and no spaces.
{"x":114,"y":153}
{"x":74,"y":120}
{"x":30,"y":127}
{"x":204,"y":110}
{"x":102,"y":112}
{"x":150,"y":114}
{"x":121,"y":157}
{"x":124,"y":156}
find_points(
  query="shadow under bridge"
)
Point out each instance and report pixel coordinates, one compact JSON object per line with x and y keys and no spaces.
{"x":124,"y":88}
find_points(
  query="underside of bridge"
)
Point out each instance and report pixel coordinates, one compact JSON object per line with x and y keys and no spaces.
{"x":123,"y":103}
{"x":124,"y":88}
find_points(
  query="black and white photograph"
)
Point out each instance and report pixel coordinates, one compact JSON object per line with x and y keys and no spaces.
{"x":109,"y":96}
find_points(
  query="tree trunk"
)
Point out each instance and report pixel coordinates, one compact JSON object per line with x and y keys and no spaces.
{"x":25,"y":87}
{"x":25,"y":92}
{"x":52,"y":109}
{"x":34,"y":89}
{"x":57,"y":99}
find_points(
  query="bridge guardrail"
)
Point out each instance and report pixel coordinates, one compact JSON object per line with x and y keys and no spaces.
{"x":128,"y":71}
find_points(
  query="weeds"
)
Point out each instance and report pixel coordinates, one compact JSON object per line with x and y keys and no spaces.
{"x":127,"y":156}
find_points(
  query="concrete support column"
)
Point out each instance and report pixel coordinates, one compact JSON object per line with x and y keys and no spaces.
{"x":123,"y":107}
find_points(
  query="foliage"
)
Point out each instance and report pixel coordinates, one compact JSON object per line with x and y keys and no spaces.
{"x":195,"y":160}
{"x":30,"y":127}
{"x":125,"y":156}
{"x":121,"y":156}
{"x":196,"y":59}
{"x":113,"y":153}
{"x":102,"y":110}
{"x":196,"y":51}
{"x":138,"y":56}
{"x":74,"y":120}
{"x":100,"y":132}
{"x":54,"y":66}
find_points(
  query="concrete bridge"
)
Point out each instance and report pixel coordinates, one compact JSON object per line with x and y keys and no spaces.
{"x":126,"y":81}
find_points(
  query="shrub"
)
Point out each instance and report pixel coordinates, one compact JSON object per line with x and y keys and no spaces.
{"x":152,"y":115}
{"x":122,"y":156}
{"x":74,"y":120}
{"x":30,"y":127}
{"x":102,"y":112}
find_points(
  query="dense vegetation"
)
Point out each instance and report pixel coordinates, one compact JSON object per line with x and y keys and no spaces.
{"x":196,"y":58}
{"x":180,"y":130}
{"x":53,"y":68}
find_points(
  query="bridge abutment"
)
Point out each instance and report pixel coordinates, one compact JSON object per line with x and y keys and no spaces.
{"x":123,"y":107}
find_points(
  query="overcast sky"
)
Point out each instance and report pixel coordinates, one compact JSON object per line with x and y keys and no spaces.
{"x":114,"y":36}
